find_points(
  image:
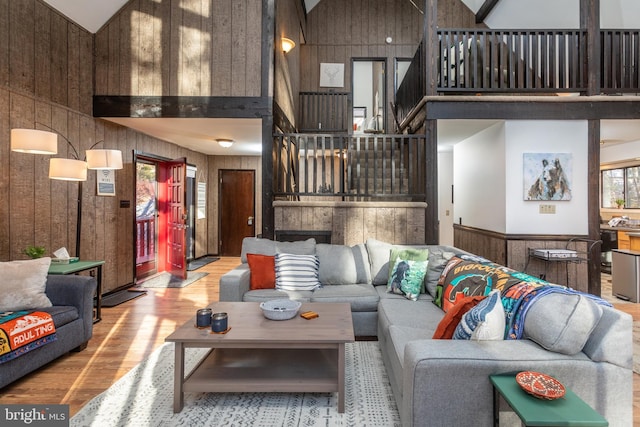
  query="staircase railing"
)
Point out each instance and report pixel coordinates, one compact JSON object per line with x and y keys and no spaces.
{"x":350,"y":167}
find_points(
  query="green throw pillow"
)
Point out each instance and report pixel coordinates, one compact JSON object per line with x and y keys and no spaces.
{"x":407,"y":272}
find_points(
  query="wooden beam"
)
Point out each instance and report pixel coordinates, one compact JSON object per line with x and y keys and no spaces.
{"x":593,"y":204}
{"x":268,"y":67}
{"x":485,"y":10}
{"x":590,"y":21}
{"x":504,"y":108}
{"x":180,"y":106}
{"x":431,"y":227}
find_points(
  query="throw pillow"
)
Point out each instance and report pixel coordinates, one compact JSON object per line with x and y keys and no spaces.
{"x":263,"y":271}
{"x":468,"y":275}
{"x":409,"y":268}
{"x":451,"y":319}
{"x":23,"y":284}
{"x":297,"y":272}
{"x":484,"y":322}
{"x":337,"y":265}
{"x":562,"y":322}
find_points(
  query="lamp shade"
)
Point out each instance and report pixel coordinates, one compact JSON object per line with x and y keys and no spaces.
{"x":104,"y":159}
{"x":67,"y":169}
{"x":34,"y":141}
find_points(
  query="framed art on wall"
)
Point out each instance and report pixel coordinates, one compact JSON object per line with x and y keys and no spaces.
{"x":547,"y":176}
{"x":331,"y":74}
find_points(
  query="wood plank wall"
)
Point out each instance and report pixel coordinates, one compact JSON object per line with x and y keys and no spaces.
{"x":512,"y":251}
{"x":352,"y":223}
{"x":40,"y":211}
{"x":187,"y":47}
{"x":45,"y":55}
{"x":339,"y":30}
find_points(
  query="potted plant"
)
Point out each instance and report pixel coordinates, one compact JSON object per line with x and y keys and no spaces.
{"x":619,"y":203}
{"x":34,"y":251}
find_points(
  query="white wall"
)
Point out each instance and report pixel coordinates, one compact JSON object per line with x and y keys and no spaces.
{"x":488,"y":178}
{"x":479,"y":180}
{"x":523,"y":217}
{"x":445,"y":204}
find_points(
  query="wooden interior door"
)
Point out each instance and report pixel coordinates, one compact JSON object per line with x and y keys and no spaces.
{"x":176,"y":262}
{"x":237,"y":209}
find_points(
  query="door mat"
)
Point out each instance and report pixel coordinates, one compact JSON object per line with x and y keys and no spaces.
{"x":166,"y":280}
{"x":119,"y":297}
{"x":201,"y":262}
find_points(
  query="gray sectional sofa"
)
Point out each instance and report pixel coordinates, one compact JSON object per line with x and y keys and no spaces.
{"x":72,"y":313}
{"x":443,"y":382}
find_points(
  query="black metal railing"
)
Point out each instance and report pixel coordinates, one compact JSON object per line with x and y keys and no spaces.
{"x":350,"y":167}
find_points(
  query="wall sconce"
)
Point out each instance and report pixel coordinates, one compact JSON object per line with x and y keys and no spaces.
{"x":225,"y":143}
{"x":44,"y":142}
{"x":287,"y":44}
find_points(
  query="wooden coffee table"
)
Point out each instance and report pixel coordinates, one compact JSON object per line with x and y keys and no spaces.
{"x":261,"y":355}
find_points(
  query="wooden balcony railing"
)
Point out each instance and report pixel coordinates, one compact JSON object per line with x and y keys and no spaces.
{"x":145,"y":239}
{"x":350,"y":167}
{"x":513,"y":61}
{"x":325,"y":112}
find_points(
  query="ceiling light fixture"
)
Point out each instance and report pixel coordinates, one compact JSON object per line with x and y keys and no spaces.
{"x":287,"y":44}
{"x":225,"y":143}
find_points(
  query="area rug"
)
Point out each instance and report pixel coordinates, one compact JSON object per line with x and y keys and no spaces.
{"x":144,"y":397}
{"x":201,"y":262}
{"x":166,"y":280}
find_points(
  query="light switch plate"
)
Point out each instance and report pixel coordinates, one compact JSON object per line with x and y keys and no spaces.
{"x":547,"y":209}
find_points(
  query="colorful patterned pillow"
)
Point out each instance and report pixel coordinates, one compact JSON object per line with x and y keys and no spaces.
{"x":297,"y":272}
{"x":407,"y":272}
{"x":467,"y":275}
{"x":484,"y":322}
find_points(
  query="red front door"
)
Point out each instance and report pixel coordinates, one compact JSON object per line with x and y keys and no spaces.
{"x":176,"y":262}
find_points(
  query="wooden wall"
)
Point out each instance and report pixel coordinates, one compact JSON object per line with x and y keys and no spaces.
{"x":44,"y":55}
{"x":512,"y":251}
{"x":339,"y":30}
{"x":216,"y":163}
{"x":187,"y":48}
{"x":351,"y":223}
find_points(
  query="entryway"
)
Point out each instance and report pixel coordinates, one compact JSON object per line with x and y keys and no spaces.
{"x":162,"y":216}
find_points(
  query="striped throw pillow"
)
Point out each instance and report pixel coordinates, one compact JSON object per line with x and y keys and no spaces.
{"x":297,"y":272}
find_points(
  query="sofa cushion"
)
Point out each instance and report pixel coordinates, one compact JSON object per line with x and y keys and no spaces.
{"x":337,"y":264}
{"x":61,"y":314}
{"x":263,"y":271}
{"x":297,"y":272}
{"x":261,"y":295}
{"x":407,"y":272}
{"x":421,"y":314}
{"x":561,"y":322}
{"x":379,"y":259}
{"x":361,"y":297}
{"x":257,"y":245}
{"x":451,"y":319}
{"x":23,"y":284}
{"x":439,"y":256}
{"x":484,"y":322}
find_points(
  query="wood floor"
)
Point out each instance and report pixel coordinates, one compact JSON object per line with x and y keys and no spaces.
{"x":128,"y":333}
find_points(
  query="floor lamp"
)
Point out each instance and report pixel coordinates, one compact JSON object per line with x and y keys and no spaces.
{"x":74,"y":169}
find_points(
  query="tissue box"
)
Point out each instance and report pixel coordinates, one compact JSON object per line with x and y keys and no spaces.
{"x":64,"y":260}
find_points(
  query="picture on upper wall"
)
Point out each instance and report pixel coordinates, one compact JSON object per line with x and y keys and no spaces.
{"x":547,"y":176}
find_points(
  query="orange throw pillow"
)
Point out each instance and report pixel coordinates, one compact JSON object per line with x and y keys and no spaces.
{"x":263,"y":271}
{"x":449,"y":322}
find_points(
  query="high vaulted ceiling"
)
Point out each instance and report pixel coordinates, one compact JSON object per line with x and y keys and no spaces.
{"x":200,"y":134}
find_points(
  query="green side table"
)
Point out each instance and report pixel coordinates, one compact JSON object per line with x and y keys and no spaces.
{"x":78,"y":267}
{"x":569,"y":410}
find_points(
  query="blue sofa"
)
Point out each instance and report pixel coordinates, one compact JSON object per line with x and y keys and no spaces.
{"x":72,"y":313}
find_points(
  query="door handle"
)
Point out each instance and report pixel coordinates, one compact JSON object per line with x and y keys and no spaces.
{"x":250,"y":220}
